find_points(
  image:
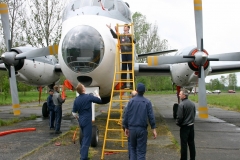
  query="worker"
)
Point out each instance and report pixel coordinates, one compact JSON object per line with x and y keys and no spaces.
{"x":51,"y":109}
{"x":139,"y":110}
{"x":126,"y":57}
{"x":82,"y":111}
{"x":58,"y":101}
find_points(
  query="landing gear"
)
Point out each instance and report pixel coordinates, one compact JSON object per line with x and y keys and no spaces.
{"x":95,"y":135}
{"x":45,"y":111}
{"x":175,"y":108}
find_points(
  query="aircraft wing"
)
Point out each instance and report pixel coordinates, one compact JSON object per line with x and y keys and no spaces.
{"x":223,"y":68}
{"x":142,"y":69}
{"x":145,"y":55}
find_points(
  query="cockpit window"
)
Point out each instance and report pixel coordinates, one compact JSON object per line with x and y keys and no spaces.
{"x":76,"y":5}
{"x":86,"y":3}
{"x":124,"y":9}
{"x":109,"y":4}
{"x":121,"y":8}
{"x":96,"y":3}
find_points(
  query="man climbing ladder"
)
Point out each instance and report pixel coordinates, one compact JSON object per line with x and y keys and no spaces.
{"x":126,"y":51}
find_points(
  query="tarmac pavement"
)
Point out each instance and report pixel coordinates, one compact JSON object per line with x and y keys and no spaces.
{"x":216,"y":138}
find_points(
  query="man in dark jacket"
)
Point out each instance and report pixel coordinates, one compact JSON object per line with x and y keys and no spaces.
{"x":82,"y":110}
{"x":185,"y":119}
{"x":51,"y":108}
{"x":135,"y":121}
{"x":125,"y":48}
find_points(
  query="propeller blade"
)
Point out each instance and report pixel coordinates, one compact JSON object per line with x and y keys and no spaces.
{"x":202,"y":99}
{"x":198,"y":22}
{"x":5,"y":24}
{"x":156,"y":53}
{"x":14,"y":91}
{"x":50,"y":50}
{"x":233,"y":56}
{"x":158,"y":60}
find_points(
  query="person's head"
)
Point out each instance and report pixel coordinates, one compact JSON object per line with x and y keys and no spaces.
{"x":126,"y":28}
{"x":56,"y":88}
{"x":80,"y":88}
{"x":183,"y":94}
{"x":133,"y":93}
{"x":140,"y":88}
{"x":51,"y":91}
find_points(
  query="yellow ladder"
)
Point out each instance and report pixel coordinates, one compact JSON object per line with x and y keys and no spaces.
{"x":114,"y":134}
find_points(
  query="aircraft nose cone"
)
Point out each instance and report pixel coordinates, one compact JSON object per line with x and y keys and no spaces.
{"x":83,"y":49}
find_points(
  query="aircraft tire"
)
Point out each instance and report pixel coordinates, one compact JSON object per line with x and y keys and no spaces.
{"x":95,"y":133}
{"x":106,"y":100}
{"x":45,"y":111}
{"x":175,"y":108}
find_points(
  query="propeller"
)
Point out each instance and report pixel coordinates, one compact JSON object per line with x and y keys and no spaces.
{"x":11,"y":58}
{"x":6,"y":58}
{"x":199,"y":57}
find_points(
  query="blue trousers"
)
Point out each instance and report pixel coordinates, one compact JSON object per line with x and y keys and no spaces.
{"x":51,"y":118}
{"x":86,"y":140}
{"x":58,"y":114}
{"x":138,"y":143}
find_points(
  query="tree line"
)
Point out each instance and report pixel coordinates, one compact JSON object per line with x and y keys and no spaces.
{"x":228,"y":82}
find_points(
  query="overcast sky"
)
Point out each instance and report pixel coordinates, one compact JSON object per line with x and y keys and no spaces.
{"x":175,"y":20}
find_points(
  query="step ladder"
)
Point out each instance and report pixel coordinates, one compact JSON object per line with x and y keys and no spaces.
{"x":115,"y":139}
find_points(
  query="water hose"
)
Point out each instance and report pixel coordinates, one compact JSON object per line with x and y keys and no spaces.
{"x":17,"y":130}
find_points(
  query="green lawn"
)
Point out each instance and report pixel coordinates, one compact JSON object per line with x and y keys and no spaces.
{"x":229,"y":101}
{"x":31,"y":96}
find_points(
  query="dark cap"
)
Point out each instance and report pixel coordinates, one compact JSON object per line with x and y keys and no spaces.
{"x":51,"y":90}
{"x":141,"y":87}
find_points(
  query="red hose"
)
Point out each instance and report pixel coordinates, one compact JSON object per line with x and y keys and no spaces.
{"x":17,"y":130}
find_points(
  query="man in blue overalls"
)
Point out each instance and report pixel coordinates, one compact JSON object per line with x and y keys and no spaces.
{"x":138,"y":111}
{"x":82,"y":110}
{"x":51,"y":108}
{"x":58,"y":101}
{"x":133,"y":94}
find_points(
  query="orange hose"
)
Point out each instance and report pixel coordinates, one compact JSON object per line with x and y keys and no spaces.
{"x":17,"y":130}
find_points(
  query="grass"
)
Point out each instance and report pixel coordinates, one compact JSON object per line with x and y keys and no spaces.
{"x":16,"y":120}
{"x":31,"y":96}
{"x":228,"y":101}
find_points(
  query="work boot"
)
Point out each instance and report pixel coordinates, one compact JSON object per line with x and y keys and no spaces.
{"x":58,"y":132}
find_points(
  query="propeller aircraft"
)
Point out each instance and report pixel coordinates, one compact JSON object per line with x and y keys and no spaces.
{"x":86,"y":53}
